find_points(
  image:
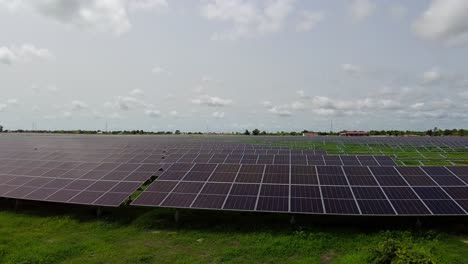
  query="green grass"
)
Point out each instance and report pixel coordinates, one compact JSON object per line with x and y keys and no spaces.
{"x":150,"y":236}
{"x":402,"y":155}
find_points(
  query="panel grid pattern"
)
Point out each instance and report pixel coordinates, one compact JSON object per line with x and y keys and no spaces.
{"x":323,"y":190}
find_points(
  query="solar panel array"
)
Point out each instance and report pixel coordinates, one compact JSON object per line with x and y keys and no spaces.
{"x":104,"y":184}
{"x":340,"y":190}
{"x":222,"y":174}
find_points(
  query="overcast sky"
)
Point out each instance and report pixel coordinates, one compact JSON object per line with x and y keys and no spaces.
{"x":227,"y":65}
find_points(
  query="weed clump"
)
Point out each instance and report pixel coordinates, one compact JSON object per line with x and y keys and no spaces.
{"x":403,"y":248}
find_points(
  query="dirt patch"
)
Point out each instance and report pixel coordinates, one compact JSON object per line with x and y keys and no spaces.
{"x":328,"y":256}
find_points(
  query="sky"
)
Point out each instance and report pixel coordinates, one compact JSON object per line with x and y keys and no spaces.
{"x":231,"y":65}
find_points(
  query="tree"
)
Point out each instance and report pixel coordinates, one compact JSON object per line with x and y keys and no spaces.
{"x":247,"y":132}
{"x":256,"y":132}
{"x":177,"y":132}
{"x":1,"y":128}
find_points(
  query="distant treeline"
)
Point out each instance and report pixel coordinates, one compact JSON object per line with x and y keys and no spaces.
{"x":430,"y":132}
{"x":255,"y":132}
{"x":91,"y":132}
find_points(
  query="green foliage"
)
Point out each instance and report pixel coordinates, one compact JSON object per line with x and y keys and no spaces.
{"x":403,"y":249}
{"x":150,"y":236}
{"x":256,"y":132}
{"x":247,"y":132}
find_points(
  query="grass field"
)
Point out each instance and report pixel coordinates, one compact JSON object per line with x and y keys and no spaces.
{"x":402,"y":155}
{"x":126,"y":235}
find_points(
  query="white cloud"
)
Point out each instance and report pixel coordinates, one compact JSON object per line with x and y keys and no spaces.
{"x":67,"y":114}
{"x":79,"y":105}
{"x":211,"y":101}
{"x":11,"y":5}
{"x":6,"y":56}
{"x":417,"y":105}
{"x":157,"y":70}
{"x":29,"y":51}
{"x":3,"y":107}
{"x":281,"y":110}
{"x":52,"y":88}
{"x":153,"y":113}
{"x":308,"y":20}
{"x":25,"y":52}
{"x":267,"y":103}
{"x":361,"y":9}
{"x":218,"y":115}
{"x":137,"y":92}
{"x":274,"y":15}
{"x":302,"y":94}
{"x":350,"y":68}
{"x":445,"y":21}
{"x":325,"y":106}
{"x":297,"y":106}
{"x":147,"y":4}
{"x":13,"y":101}
{"x":284,"y":109}
{"x":246,"y":17}
{"x":100,"y":15}
{"x":432,"y":76}
{"x":127,"y":103}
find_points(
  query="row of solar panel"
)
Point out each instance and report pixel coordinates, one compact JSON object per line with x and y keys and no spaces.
{"x":131,"y":172}
{"x":75,"y":191}
{"x":104,"y":184}
{"x":217,"y":158}
{"x":306,"y":199}
{"x":142,"y":155}
{"x":312,"y":189}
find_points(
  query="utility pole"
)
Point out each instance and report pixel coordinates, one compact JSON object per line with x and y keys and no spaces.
{"x":331,"y":126}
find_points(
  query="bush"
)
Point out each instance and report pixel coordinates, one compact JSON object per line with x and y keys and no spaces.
{"x":391,"y":251}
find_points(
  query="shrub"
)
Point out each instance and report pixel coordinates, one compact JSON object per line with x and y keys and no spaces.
{"x":391,"y":251}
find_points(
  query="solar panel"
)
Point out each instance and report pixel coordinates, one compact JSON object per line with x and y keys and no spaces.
{"x":273,"y":204}
{"x":306,"y":206}
{"x":225,"y":175}
{"x":376,"y":207}
{"x":410,"y":207}
{"x":205,"y":201}
{"x":341,"y":206}
{"x":369,"y":193}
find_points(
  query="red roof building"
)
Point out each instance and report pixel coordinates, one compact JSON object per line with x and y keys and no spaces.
{"x":354,"y":133}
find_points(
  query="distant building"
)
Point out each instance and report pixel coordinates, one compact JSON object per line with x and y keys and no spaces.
{"x":354,"y":133}
{"x":310,"y":134}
